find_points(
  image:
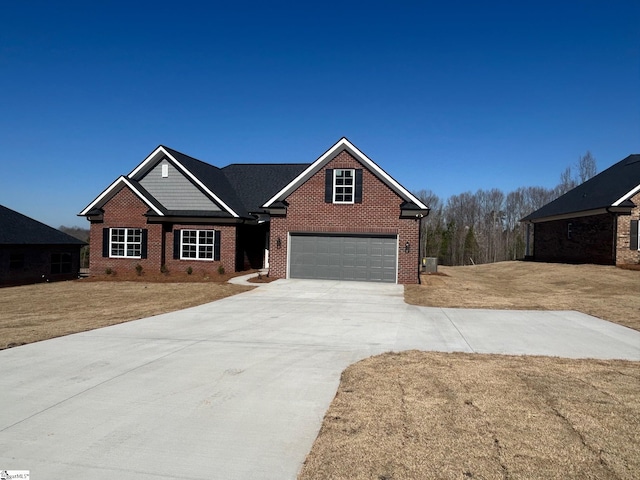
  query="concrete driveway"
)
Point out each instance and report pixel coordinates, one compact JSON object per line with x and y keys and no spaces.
{"x":237,"y":389}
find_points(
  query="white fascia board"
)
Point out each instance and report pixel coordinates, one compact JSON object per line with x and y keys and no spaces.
{"x":164,"y":153}
{"x":626,"y":196}
{"x":373,"y":166}
{"x":197,"y":181}
{"x":152,"y":157}
{"x":328,"y":155}
{"x":304,"y":176}
{"x":111,"y":188}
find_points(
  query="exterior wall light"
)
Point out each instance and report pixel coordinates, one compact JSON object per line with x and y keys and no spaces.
{"x":278,"y":243}
{"x":407,"y":247}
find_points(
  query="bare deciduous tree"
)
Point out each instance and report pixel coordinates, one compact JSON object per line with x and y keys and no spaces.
{"x":485,"y":226}
{"x":586,"y":167}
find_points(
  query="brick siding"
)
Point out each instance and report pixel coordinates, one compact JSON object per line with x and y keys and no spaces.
{"x":591,"y":240}
{"x":126,"y":210}
{"x":379,"y":213}
{"x":624,"y":255}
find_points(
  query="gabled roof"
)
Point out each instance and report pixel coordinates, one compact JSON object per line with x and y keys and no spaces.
{"x":18,"y":229}
{"x":610,"y":189}
{"x":342,"y":145}
{"x":238,"y":189}
{"x":115,"y":187}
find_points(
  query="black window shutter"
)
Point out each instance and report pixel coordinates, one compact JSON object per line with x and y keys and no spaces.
{"x":358,"y":194}
{"x":143,"y":246}
{"x":105,"y":242}
{"x":216,"y":245}
{"x":328,"y":186}
{"x":176,"y":244}
{"x":633,"y":244}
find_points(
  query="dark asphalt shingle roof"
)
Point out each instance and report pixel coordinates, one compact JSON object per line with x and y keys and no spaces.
{"x":213,"y":178}
{"x":256,"y":183}
{"x":242,"y":186}
{"x":18,"y":229}
{"x":598,"y":192}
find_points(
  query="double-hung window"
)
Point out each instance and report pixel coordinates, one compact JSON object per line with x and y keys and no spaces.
{"x":125,"y":243}
{"x":60,"y":263}
{"x":343,"y":185}
{"x":197,"y":244}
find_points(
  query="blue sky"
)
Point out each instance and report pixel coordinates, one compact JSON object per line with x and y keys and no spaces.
{"x":445,"y":96}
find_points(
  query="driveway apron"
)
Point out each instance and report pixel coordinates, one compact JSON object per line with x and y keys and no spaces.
{"x":237,"y":389}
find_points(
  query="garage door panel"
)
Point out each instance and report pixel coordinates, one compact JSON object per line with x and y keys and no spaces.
{"x":343,"y":257}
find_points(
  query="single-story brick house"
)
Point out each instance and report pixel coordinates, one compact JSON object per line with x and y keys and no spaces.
{"x":596,"y":222}
{"x":340,"y":217}
{"x":32,"y":252}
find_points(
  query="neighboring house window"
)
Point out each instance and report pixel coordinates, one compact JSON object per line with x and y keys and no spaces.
{"x":634,"y":239}
{"x":343,"y":185}
{"x":16,"y":261}
{"x":196,"y":244}
{"x":569,"y":230}
{"x":60,"y":263}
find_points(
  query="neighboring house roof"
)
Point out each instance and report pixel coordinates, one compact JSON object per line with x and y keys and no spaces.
{"x":610,"y":190}
{"x":18,"y":229}
{"x":342,"y":145}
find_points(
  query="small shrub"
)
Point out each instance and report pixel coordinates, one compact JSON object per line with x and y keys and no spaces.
{"x":164,"y":269}
{"x":108,"y":271}
{"x":189,"y":270}
{"x":220,"y":269}
{"x":139,"y":269}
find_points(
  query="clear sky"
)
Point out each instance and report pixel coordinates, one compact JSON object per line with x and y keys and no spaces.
{"x":446,"y":96}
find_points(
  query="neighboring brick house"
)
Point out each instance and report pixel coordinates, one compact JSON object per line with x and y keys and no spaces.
{"x":32,"y":252}
{"x":340,"y":217}
{"x":596,"y":222}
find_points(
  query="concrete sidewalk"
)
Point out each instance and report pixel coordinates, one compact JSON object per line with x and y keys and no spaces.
{"x":237,"y":389}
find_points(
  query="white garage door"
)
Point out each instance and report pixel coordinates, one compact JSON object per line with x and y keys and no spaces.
{"x":343,"y":257}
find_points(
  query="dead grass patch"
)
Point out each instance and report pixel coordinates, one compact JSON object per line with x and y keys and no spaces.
{"x":32,"y":313}
{"x":605,"y":292}
{"x":436,"y":415}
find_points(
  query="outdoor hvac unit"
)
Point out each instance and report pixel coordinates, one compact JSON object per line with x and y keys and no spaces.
{"x":429,"y":264}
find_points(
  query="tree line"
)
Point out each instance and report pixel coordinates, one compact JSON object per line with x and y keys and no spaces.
{"x":485,"y":227}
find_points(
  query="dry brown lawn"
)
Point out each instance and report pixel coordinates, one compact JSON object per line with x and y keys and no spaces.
{"x":37,"y":312}
{"x":603,"y":291}
{"x":421,"y":415}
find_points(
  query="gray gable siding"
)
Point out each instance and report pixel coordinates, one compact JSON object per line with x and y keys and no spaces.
{"x":175,"y":192}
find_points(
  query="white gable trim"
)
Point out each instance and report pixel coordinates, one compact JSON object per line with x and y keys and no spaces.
{"x":160,"y":151}
{"x":344,"y":144}
{"x":112,"y":190}
{"x":626,"y":196}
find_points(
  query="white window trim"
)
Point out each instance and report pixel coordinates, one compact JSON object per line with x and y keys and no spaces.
{"x":197,"y":244}
{"x":353,"y":185}
{"x":126,"y":243}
